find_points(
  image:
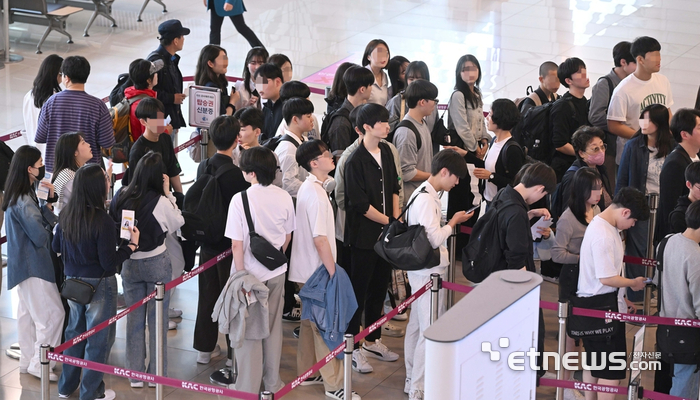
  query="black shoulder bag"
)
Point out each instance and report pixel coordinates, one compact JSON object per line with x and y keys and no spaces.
{"x":263,"y":251}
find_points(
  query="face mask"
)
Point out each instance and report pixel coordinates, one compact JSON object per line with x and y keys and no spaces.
{"x":42,"y":173}
{"x":597,"y":159}
{"x":329,"y":184}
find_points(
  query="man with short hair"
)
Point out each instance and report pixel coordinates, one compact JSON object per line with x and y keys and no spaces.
{"x":676,"y":219}
{"x":73,"y":110}
{"x":268,"y":81}
{"x":685,"y":127}
{"x":643,"y":87}
{"x":358,"y":82}
{"x":143,"y":74}
{"x":601,"y":94}
{"x":169,"y":87}
{"x":547,"y":91}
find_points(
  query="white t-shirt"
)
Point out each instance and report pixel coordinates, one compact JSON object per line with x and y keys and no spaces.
{"x":31,"y":120}
{"x":490,"y":164}
{"x":631,"y":96}
{"x":426,"y":210}
{"x":293,"y":175}
{"x":377,"y":157}
{"x":600,"y":257}
{"x":314,"y":218}
{"x":654,"y":171}
{"x":272,"y":212}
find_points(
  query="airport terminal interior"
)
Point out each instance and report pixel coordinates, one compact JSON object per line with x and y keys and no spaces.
{"x":510,"y":38}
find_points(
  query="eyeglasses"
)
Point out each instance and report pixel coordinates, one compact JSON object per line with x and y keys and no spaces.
{"x":597,"y":149}
{"x":435,"y":100}
{"x":326,"y":154}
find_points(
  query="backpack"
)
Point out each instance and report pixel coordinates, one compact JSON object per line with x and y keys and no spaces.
{"x":273,"y":142}
{"x":611,"y":88}
{"x":341,"y":112}
{"x":529,"y":92}
{"x":406,"y":124}
{"x":204,"y":210}
{"x":117,"y":93}
{"x":533,"y":131}
{"x":6,"y":155}
{"x":121,"y":122}
{"x":558,"y":203}
{"x":484,"y":252}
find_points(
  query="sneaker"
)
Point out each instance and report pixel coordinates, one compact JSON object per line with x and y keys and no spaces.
{"x":379,"y":350}
{"x":136,"y":385}
{"x":398,"y":317}
{"x":292,"y":316}
{"x":63,"y":396}
{"x":297,"y":299}
{"x":52,"y":377}
{"x":151,"y":384}
{"x":359,"y":362}
{"x":407,"y":386}
{"x":108,"y":395}
{"x":229,"y":362}
{"x":295,"y":332}
{"x":222,"y":377}
{"x":314,"y":380}
{"x":172,"y":325}
{"x":174,"y":313}
{"x":552,"y":279}
{"x":415,"y":395}
{"x":204,"y":357}
{"x":573,"y":394}
{"x":340,"y":395}
{"x":391,"y":330}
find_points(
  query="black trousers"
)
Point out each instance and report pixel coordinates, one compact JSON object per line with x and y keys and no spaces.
{"x":370,"y":276}
{"x":216,"y":21}
{"x":211,"y":283}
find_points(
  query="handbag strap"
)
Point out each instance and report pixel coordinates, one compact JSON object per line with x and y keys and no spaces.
{"x":246,"y":209}
{"x":422,"y":190}
{"x":63,"y":252}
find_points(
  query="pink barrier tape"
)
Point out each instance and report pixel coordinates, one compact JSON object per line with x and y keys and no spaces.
{"x":386,"y":317}
{"x":188,"y":143}
{"x":590,"y":387}
{"x":465,"y":229}
{"x":640,"y":319}
{"x":3,"y":240}
{"x":10,"y":136}
{"x":186,"y":276}
{"x":127,"y":373}
{"x":456,"y":287}
{"x":640,"y":261}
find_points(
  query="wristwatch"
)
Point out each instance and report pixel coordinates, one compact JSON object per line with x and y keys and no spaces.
{"x":491,"y":176}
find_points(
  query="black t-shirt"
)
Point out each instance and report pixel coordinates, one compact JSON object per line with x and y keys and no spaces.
{"x":164,"y":146}
{"x":565,"y":120}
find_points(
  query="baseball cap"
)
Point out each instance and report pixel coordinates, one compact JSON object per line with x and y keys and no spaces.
{"x":171,"y":29}
{"x":156,"y":66}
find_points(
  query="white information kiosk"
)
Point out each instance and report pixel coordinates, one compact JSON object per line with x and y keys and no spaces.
{"x":468,"y":348}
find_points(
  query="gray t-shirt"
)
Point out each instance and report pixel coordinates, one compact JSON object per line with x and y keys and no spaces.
{"x":413,"y":158}
{"x":681,"y":278}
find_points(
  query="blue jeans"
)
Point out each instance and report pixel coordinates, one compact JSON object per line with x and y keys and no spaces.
{"x":95,"y":348}
{"x":685,"y":382}
{"x":139,"y":278}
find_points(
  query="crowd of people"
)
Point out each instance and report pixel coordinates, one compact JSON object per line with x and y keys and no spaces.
{"x":313,"y":198}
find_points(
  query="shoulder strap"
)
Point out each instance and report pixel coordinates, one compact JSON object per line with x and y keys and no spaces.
{"x":504,"y":151}
{"x":408,"y":124}
{"x":573,"y":168}
{"x":402,"y":110}
{"x":287,"y":138}
{"x":660,"y":266}
{"x":610,"y":85}
{"x":411,"y":202}
{"x":137,"y":98}
{"x":246,"y":209}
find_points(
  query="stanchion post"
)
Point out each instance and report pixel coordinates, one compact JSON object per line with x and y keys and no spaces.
{"x":563,"y":313}
{"x":653,"y":199}
{"x":112,"y":181}
{"x":45,"y":371}
{"x":451,"y":276}
{"x":347,"y":364}
{"x":267,"y":395}
{"x":204,"y":143}
{"x":160,"y":331}
{"x":632,"y":390}
{"x":434,"y":292}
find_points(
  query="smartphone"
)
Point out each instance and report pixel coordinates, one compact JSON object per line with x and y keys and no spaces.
{"x":647,"y":281}
{"x":472,"y":209}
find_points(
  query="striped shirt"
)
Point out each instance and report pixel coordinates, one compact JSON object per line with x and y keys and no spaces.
{"x":72,"y":111}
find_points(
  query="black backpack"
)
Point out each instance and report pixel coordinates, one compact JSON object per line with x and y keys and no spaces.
{"x":560,"y":200}
{"x":273,"y":142}
{"x":533,"y":131}
{"x":406,"y":124}
{"x":341,"y":112}
{"x":117,"y":93}
{"x":484,"y":252}
{"x":204,"y":210}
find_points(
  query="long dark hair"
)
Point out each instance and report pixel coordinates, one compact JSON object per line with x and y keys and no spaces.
{"x":46,"y":83}
{"x":86,"y":201}
{"x":148,"y":176}
{"x":582,"y":184}
{"x":472,"y":97}
{"x":64,"y":157}
{"x":370,"y":48}
{"x":658,"y":114}
{"x":203,"y":73}
{"x":255,"y":52}
{"x":394,"y":70}
{"x":338,"y":89}
{"x":18,"y":183}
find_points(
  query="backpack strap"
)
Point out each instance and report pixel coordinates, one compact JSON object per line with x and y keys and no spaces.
{"x":408,"y":124}
{"x":246,"y":209}
{"x":611,"y":87}
{"x":504,"y":150}
{"x":287,"y":138}
{"x":137,"y":98}
{"x":402,"y":109}
{"x":660,"y":265}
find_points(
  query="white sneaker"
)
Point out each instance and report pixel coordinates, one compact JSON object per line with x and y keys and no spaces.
{"x":314,"y":380}
{"x":172,"y":325}
{"x":391,"y":330}
{"x":416,"y":395}
{"x":151,"y":384}
{"x":204,"y":357}
{"x":379,"y":350}
{"x":229,"y":362}
{"x":136,"y":385}
{"x":52,"y":377}
{"x":407,"y":386}
{"x":174,"y":313}
{"x":397,"y":317}
{"x":359,"y":362}
{"x":109,"y":395}
{"x":63,"y":396}
{"x":340,"y":395}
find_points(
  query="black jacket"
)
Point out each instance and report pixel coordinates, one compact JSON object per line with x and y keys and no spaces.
{"x":514,"y":226}
{"x":169,"y":83}
{"x":676,"y":219}
{"x":567,"y":115}
{"x":671,"y":187}
{"x":569,"y":176}
{"x":508,"y":164}
{"x":272,"y":112}
{"x":152,"y":234}
{"x":366,"y":184}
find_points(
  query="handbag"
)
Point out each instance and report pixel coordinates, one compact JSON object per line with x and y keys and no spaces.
{"x":443,"y":135}
{"x":262,"y":250}
{"x":406,"y":246}
{"x":78,"y":291}
{"x":579,"y":327}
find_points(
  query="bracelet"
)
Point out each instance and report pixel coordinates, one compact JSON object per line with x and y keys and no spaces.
{"x":135,"y":245}
{"x":233,"y":108}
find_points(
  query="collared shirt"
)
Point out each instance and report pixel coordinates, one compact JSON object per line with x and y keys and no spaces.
{"x":380,"y":93}
{"x":292,"y":174}
{"x":426,"y":210}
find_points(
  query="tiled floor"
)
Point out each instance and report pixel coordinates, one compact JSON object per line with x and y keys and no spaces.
{"x":510,"y":38}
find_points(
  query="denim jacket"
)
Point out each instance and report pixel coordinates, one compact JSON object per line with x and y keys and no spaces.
{"x":29,"y":230}
{"x":329,"y":303}
{"x":634,"y":165}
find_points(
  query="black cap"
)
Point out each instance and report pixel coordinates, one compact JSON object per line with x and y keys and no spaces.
{"x":172,"y":29}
